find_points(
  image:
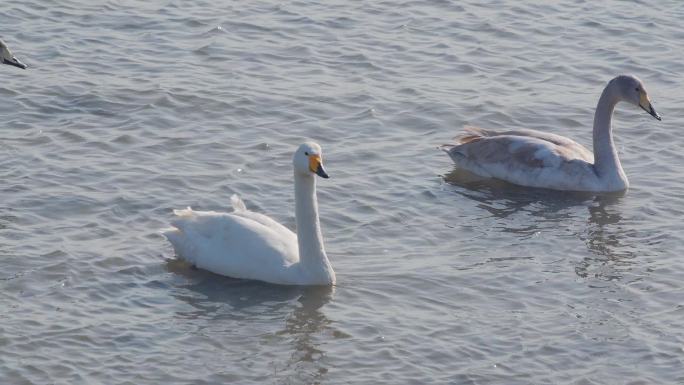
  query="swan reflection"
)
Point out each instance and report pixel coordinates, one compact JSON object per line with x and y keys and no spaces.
{"x":608,"y":242}
{"x":298,"y":308}
{"x":526,"y":212}
{"x":304,"y":328}
{"x":503,"y":200}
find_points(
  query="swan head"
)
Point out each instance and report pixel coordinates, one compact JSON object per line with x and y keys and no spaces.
{"x":632,"y":90}
{"x":6,"y":57}
{"x":307,"y":160}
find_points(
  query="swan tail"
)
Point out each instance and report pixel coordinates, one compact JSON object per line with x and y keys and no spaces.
{"x":184,"y":217}
{"x":174,"y":236}
{"x":446,"y":147}
{"x":471,"y":134}
{"x":178,"y":235}
{"x":184,"y":213}
{"x":180,"y":243}
{"x":237,"y":203}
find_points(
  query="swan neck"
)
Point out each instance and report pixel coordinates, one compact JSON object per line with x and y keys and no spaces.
{"x":606,"y":161}
{"x":309,"y":237}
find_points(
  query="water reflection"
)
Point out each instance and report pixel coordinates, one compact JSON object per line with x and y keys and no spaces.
{"x":548,"y":210}
{"x":610,"y":257}
{"x":302,"y":327}
{"x":503,"y":201}
{"x":214,"y":296}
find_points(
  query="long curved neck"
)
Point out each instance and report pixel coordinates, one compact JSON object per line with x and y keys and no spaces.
{"x":606,"y":160}
{"x":309,"y":237}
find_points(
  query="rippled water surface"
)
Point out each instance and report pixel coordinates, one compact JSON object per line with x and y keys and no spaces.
{"x":132,"y":108}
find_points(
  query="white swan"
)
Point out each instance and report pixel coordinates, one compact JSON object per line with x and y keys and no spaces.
{"x":538,"y":159}
{"x":245,"y":244}
{"x":8,"y":58}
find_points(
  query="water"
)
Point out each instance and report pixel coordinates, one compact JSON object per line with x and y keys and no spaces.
{"x":130,"y":109}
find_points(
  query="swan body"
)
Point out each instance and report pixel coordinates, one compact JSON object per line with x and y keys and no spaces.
{"x":6,"y":57}
{"x":538,"y":159}
{"x":249,"y":245}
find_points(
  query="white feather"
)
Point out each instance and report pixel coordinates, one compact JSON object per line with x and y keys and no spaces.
{"x":538,"y":159}
{"x":250,"y":245}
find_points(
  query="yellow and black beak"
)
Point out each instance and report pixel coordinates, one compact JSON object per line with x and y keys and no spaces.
{"x":316,"y":166}
{"x":646,"y":105}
